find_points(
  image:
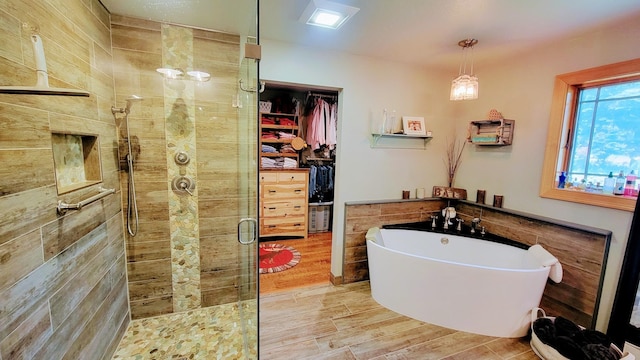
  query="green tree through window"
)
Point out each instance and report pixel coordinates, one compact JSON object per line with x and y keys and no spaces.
{"x":606,"y":132}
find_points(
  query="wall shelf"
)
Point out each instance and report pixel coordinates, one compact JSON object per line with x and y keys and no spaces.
{"x":399,"y":141}
{"x":491,"y":132}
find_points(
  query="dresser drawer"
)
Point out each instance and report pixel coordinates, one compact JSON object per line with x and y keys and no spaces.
{"x":291,"y":207}
{"x":292,"y":177}
{"x":283,"y":226}
{"x":280,"y":191}
{"x":266,"y":177}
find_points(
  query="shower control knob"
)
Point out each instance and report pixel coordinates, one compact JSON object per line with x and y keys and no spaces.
{"x":183,"y":184}
{"x":182,"y":158}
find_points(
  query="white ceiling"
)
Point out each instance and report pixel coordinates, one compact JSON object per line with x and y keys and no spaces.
{"x":424,"y":32}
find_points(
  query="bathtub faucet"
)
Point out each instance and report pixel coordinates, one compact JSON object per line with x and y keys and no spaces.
{"x":459,"y":227}
{"x":474,"y":225}
{"x":433,"y":221}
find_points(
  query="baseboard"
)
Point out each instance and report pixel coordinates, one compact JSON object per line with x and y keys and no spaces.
{"x":335,"y":280}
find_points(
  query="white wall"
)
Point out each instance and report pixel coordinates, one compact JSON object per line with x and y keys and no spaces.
{"x":368,"y":86}
{"x":519,"y":87}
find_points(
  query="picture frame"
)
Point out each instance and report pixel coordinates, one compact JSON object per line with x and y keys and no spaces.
{"x":414,"y":125}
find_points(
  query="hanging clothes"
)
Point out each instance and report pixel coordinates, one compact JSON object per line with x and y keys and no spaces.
{"x":322,"y":124}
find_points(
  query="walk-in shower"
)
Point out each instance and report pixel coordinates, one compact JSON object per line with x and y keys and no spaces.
{"x":132,"y":149}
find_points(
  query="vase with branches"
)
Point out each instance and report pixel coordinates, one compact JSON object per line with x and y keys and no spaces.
{"x":453,"y":159}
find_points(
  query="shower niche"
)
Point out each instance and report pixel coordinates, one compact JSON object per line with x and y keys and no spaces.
{"x":76,"y":160}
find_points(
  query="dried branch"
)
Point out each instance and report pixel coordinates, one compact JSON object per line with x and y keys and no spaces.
{"x":453,"y":159}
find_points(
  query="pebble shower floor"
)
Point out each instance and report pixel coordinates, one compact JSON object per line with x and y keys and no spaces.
{"x":214,"y":332}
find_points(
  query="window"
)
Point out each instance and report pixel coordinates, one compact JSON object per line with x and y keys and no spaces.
{"x":592,"y":131}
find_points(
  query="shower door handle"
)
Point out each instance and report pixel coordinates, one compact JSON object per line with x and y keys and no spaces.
{"x":254,"y":230}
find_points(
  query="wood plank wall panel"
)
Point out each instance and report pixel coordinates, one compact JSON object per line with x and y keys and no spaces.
{"x":575,"y":297}
{"x":137,"y":48}
{"x":75,"y":262}
{"x":359,"y":218}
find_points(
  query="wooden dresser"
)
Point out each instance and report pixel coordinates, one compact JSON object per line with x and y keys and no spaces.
{"x":284,"y":202}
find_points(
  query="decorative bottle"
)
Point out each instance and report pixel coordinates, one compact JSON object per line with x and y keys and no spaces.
{"x":561,"y":180}
{"x":630,"y":184}
{"x":620,"y":183}
{"x":609,"y":184}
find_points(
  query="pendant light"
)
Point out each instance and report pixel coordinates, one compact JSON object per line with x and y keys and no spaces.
{"x":465,"y":86}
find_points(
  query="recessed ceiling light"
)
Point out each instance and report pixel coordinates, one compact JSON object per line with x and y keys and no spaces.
{"x":170,"y":73}
{"x":199,"y":75}
{"x":327,"y":14}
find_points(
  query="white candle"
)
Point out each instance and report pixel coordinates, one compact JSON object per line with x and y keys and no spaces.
{"x":420,"y":193}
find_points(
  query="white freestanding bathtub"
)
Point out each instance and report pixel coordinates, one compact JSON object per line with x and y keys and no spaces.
{"x":461,"y":283}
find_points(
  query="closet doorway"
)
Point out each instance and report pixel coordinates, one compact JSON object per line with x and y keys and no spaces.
{"x":298,"y":145}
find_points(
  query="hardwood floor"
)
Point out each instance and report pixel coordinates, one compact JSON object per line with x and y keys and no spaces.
{"x":314,"y":267}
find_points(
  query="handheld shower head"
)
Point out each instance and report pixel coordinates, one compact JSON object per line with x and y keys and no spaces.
{"x":130,"y":101}
{"x":127,"y":108}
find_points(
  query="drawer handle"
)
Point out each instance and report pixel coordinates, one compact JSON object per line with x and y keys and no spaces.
{"x":297,"y":207}
{"x":297,"y":224}
{"x":297,"y":191}
{"x":272,"y":191}
{"x":271,"y":208}
{"x":271,"y":226}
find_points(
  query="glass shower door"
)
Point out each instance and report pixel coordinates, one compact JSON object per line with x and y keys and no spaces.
{"x":246,"y":103}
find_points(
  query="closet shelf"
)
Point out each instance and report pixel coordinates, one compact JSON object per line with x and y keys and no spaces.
{"x":279,"y":127}
{"x":274,"y":128}
{"x":376,"y":138}
{"x":277,"y":141}
{"x":266,"y":154}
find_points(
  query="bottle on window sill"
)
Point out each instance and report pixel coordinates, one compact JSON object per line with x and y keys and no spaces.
{"x":609,"y":184}
{"x":630,"y":184}
{"x":561,"y":180}
{"x":620,"y":184}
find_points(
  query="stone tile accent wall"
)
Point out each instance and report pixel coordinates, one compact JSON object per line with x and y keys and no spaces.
{"x":62,"y":278}
{"x":576,"y":297}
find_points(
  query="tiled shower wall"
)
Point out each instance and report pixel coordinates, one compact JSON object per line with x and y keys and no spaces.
{"x":62,"y":278}
{"x":576,"y":297}
{"x":186,"y":253}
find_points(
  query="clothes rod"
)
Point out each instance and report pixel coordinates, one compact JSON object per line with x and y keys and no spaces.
{"x":323,"y":95}
{"x":63,"y":207}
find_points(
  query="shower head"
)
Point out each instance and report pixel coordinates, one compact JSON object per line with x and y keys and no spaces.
{"x":127,"y":108}
{"x":130,"y":101}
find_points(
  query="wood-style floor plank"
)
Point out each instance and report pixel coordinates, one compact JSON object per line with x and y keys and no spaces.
{"x":303,"y":316}
{"x":324,"y":322}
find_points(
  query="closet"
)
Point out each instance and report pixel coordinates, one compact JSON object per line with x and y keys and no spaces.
{"x":298,"y":127}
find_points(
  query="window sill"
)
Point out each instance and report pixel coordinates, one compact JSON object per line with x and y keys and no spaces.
{"x":626,"y":203}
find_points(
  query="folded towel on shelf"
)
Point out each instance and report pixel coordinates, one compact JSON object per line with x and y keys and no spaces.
{"x":546,"y":259}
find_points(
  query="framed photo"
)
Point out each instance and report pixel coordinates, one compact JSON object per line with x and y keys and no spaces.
{"x":413,"y":125}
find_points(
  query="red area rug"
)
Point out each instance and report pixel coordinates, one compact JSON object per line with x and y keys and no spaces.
{"x":277,"y":257}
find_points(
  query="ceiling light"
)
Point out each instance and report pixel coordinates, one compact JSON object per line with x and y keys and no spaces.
{"x":199,"y":75}
{"x":170,"y":73}
{"x":465,"y":86}
{"x":327,"y":14}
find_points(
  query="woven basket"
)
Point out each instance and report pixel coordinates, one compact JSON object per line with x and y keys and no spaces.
{"x":265,"y":106}
{"x":546,"y":352}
